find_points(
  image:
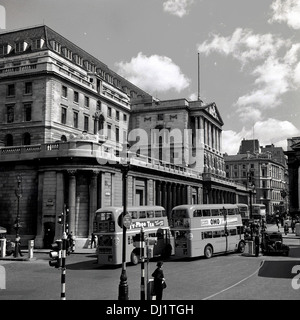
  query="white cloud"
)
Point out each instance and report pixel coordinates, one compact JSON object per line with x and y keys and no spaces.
{"x":287,"y":11}
{"x":273,"y":78}
{"x":243,"y":45}
{"x":178,"y":8}
{"x":249,"y":114}
{"x":271,"y":60}
{"x":270,"y":131}
{"x":153,"y":74}
{"x":231,"y":141}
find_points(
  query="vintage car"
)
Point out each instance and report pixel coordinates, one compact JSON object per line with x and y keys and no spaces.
{"x":271,"y":243}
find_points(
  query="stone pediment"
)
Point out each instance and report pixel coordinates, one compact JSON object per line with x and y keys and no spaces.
{"x":214,"y":112}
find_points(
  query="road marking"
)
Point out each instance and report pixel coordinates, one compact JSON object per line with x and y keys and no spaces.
{"x":215,"y":294}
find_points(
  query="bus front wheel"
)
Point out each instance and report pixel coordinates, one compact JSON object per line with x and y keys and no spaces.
{"x":208,"y":251}
{"x":134,"y":258}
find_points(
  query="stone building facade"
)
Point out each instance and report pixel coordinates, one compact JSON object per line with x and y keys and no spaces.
{"x":293,"y":154}
{"x":67,"y":123}
{"x":268,"y":171}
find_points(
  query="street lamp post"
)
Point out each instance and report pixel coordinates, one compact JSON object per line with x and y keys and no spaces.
{"x":225,"y":227}
{"x":17,"y":224}
{"x":123,"y":286}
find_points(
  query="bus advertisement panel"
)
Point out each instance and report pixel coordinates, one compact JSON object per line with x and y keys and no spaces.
{"x":204,"y":230}
{"x":157,"y":234}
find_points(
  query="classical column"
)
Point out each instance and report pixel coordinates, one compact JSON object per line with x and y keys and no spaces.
{"x":298,"y":187}
{"x":93,"y":199}
{"x":169,"y":200}
{"x":59,"y":203}
{"x":158,"y":192}
{"x":174,"y":203}
{"x":72,"y":200}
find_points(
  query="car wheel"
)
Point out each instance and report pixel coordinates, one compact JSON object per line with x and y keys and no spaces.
{"x":208,"y":251}
{"x":241,"y":247}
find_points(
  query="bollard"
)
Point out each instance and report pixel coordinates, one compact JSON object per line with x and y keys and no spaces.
{"x":3,"y":248}
{"x":30,"y":248}
{"x":150,"y":287}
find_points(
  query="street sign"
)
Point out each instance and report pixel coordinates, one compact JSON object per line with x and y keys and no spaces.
{"x":124,"y":221}
{"x":127,"y":221}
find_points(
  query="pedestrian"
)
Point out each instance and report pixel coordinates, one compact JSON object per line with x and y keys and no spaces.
{"x":256,"y":243}
{"x":286,"y":228}
{"x":93,"y":241}
{"x":293,"y":226}
{"x":159,"y":280}
{"x":18,"y":247}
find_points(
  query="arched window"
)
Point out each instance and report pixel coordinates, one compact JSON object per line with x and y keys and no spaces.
{"x":63,"y":138}
{"x":26,"y":139}
{"x":9,"y":140}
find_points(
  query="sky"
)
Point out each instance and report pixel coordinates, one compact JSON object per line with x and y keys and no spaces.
{"x":243,"y":55}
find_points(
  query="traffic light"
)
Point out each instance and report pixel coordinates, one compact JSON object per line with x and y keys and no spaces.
{"x":55,"y":254}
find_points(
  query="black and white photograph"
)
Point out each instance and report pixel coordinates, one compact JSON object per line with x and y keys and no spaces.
{"x":150,"y":153}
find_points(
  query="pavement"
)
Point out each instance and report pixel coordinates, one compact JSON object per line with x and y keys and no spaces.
{"x":30,"y":257}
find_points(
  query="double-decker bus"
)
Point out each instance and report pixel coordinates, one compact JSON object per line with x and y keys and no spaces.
{"x":244,"y":211}
{"x":155,"y":226}
{"x":207,"y":229}
{"x":258,"y":212}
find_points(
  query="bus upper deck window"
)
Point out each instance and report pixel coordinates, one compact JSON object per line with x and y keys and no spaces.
{"x":150,"y":214}
{"x":158,"y":214}
{"x":164,"y":213}
{"x":134,"y":215}
{"x":215,"y":212}
{"x":142,"y":214}
{"x":206,"y":213}
{"x":197,"y":213}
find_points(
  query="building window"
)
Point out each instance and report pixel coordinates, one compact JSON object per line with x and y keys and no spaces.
{"x":56,"y":46}
{"x":26,"y":139}
{"x":109,"y":131}
{"x":117,"y":135}
{"x":98,"y":105}
{"x":67,"y":53}
{"x":64,"y":91}
{"x":160,"y":116}
{"x":125,"y":117}
{"x":10,"y":90}
{"x":63,"y":115}
{"x":87,"y":102}
{"x":63,"y":138}
{"x":37,"y":43}
{"x":27,"y":112}
{"x":86,"y":123}
{"x":19,"y":46}
{"x":78,"y":60}
{"x":9,"y":140}
{"x":4,"y":49}
{"x":76,"y":96}
{"x":109,"y":112}
{"x":10,"y":114}
{"x":28,"y":88}
{"x":117,"y":115}
{"x":75,"y":119}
